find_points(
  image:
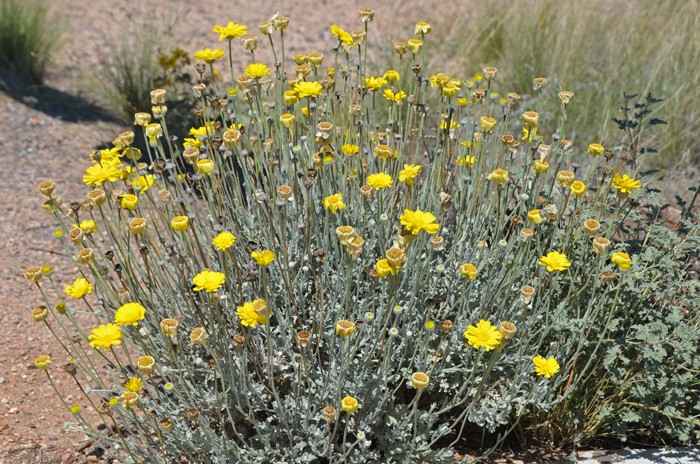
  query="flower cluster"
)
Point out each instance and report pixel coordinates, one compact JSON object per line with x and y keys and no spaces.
{"x":304,"y":273}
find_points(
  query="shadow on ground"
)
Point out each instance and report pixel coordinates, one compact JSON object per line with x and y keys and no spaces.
{"x":54,"y":102}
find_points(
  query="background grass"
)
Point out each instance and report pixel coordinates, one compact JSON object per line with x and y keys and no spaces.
{"x":29,"y":35}
{"x":595,"y":48}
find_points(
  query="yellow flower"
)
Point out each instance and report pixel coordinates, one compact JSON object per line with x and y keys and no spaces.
{"x":468,"y":270}
{"x":75,"y":409}
{"x":308,"y":89}
{"x":99,"y":174}
{"x":546,"y":367}
{"x":450,"y":90}
{"x":349,"y":404}
{"x":350,"y":149}
{"x":180,"y":223}
{"x":134,"y":384}
{"x":540,"y":166}
{"x":488,"y":123}
{"x":105,"y":336}
{"x":395,"y":97}
{"x":79,"y":289}
{"x":416,"y":221}
{"x":257,"y":70}
{"x":373,"y":83}
{"x":439,"y":80}
{"x":534,"y":216}
{"x":555,"y":261}
{"x":129,"y":314}
{"x":209,"y":55}
{"x":380,"y":181}
{"x":334,"y":202}
{"x":129,"y":202}
{"x":391,"y":76}
{"x":625,"y":184}
{"x":342,"y":35}
{"x":499,"y":175}
{"x":192,"y":143}
{"x":143,"y":182}
{"x":409,"y":172}
{"x":462,"y":101}
{"x":467,"y":161}
{"x":109,"y":155}
{"x":232,"y":31}
{"x":578,"y":188}
{"x":305,"y":110}
{"x":224,"y":240}
{"x":87,"y":224}
{"x":42,"y":362}
{"x":483,"y":335}
{"x":595,"y":149}
{"x":453,"y":125}
{"x":383,"y":268}
{"x":208,"y":281}
{"x":423,"y":28}
{"x":622,"y":259}
{"x":263,"y":258}
{"x":248,"y":316}
{"x":145,"y":364}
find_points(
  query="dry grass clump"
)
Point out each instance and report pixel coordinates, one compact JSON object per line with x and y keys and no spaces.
{"x":596,"y":48}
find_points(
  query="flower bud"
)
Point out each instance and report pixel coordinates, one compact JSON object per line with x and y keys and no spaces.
{"x":142,"y":119}
{"x":70,"y":369}
{"x":531,"y":118}
{"x":76,"y":236}
{"x":400,"y":47}
{"x":167,"y":425}
{"x":482,"y":245}
{"x":47,"y":187}
{"x":169,"y":327}
{"x":245,"y":83}
{"x":446,"y":326}
{"x":205,"y":166}
{"x":266,"y":27}
{"x":239,"y":340}
{"x":508,"y":329}
{"x":591,"y":226}
{"x":146,"y":364}
{"x":396,"y":257}
{"x":438,"y":243}
{"x":250,"y":42}
{"x":526,"y":294}
{"x":539,"y":83}
{"x":344,"y":328}
{"x":85,"y":256}
{"x":303,"y":338}
{"x":40,"y":313}
{"x":366,"y":191}
{"x":329,"y":414}
{"x":33,"y":274}
{"x":566,"y":97}
{"x":281,"y":23}
{"x":192,"y":414}
{"x":359,"y":36}
{"x":566,"y":178}
{"x":199,"y":336}
{"x":158,"y":97}
{"x":606,"y":277}
{"x":526,"y":234}
{"x":345,"y":234}
{"x":601,"y":245}
{"x":419,"y":380}
{"x":366,"y":15}
{"x":138,"y":225}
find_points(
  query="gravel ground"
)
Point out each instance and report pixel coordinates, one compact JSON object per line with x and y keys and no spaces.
{"x":51,"y":139}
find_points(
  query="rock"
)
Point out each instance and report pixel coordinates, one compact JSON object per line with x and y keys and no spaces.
{"x":13,"y":411}
{"x":66,"y":457}
{"x":31,"y":426}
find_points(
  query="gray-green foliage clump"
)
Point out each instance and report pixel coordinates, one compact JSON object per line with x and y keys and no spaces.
{"x":322,"y":285}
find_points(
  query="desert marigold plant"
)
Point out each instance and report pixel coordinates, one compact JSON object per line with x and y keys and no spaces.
{"x":294,"y":284}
